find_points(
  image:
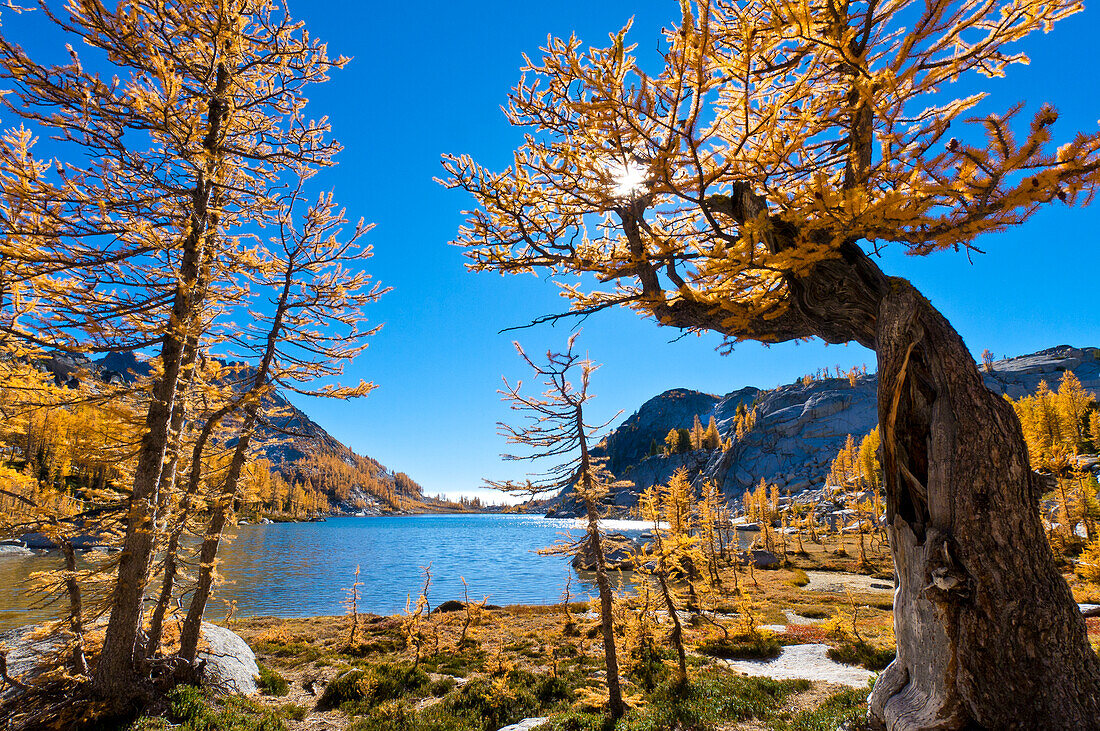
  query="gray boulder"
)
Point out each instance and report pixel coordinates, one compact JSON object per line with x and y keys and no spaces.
{"x":25,"y":653}
{"x":8,"y":549}
{"x":760,"y":559}
{"x":230,"y":663}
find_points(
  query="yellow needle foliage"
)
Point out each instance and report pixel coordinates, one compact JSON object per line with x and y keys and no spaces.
{"x":709,"y":192}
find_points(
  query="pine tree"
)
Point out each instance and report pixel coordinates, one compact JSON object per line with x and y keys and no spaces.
{"x":1073,"y":404}
{"x":672,"y":441}
{"x":711,"y":439}
{"x":673,"y":553}
{"x":696,"y":433}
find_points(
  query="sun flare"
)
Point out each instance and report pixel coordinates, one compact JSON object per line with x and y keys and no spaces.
{"x":629,"y":179}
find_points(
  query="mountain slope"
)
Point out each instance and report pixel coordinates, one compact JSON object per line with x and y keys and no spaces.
{"x":799,"y":427}
{"x":298,"y":449}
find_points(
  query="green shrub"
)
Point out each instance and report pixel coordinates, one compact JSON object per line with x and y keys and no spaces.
{"x":470,"y":659}
{"x":193,"y":711}
{"x":861,"y":653}
{"x":576,"y":721}
{"x":760,"y":646}
{"x":271,"y":683}
{"x":294,"y":652}
{"x":709,"y":701}
{"x":388,"y":716}
{"x":442,"y":687}
{"x":847,"y":709}
{"x":356,"y":691}
{"x":293,"y":711}
{"x":645,"y":664}
{"x":491,"y":702}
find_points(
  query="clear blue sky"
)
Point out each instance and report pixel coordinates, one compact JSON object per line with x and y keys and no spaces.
{"x":429,"y":78}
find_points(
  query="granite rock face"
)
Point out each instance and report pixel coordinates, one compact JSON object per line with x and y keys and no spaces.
{"x":799,"y":427}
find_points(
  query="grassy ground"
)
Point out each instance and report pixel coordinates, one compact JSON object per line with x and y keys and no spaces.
{"x":481,"y":670}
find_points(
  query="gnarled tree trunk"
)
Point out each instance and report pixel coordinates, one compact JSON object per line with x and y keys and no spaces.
{"x":987,"y":631}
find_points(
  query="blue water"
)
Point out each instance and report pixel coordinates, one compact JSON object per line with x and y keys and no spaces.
{"x":305,"y":569}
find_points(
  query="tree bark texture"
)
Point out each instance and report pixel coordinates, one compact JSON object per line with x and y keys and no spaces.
{"x":116,"y":669}
{"x":987,"y":630}
{"x":76,"y":622}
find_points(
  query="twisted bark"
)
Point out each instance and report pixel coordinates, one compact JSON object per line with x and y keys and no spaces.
{"x":988,"y":633}
{"x":987,"y":630}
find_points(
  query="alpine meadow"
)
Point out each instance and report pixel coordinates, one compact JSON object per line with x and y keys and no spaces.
{"x":809,"y":498}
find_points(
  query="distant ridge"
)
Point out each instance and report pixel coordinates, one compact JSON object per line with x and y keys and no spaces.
{"x":799,"y":428}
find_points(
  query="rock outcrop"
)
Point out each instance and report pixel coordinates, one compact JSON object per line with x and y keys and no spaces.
{"x":620,"y":554}
{"x":798,"y":431}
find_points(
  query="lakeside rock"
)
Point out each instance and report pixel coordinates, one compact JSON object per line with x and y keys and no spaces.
{"x":82,"y":542}
{"x":229,"y":663}
{"x":620,"y":554}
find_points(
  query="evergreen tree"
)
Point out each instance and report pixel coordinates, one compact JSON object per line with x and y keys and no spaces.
{"x":696,"y":433}
{"x":672,"y":441}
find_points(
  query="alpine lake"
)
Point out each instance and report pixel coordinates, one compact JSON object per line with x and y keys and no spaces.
{"x":308,"y":569}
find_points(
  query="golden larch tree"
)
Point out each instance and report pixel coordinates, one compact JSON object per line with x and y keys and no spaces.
{"x":742,"y":187}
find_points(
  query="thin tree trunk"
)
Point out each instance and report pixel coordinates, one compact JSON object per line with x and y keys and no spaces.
{"x":208,"y":553}
{"x":76,"y":623}
{"x":615,"y":707}
{"x":988,"y":632}
{"x":116,"y":670}
{"x":171,"y":551}
{"x":168,"y":476}
{"x":677,"y":634}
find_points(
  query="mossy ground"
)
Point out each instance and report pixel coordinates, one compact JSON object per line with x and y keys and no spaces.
{"x":523,"y":661}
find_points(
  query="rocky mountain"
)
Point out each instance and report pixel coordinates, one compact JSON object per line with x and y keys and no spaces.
{"x":799,"y":427}
{"x":297,"y":447}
